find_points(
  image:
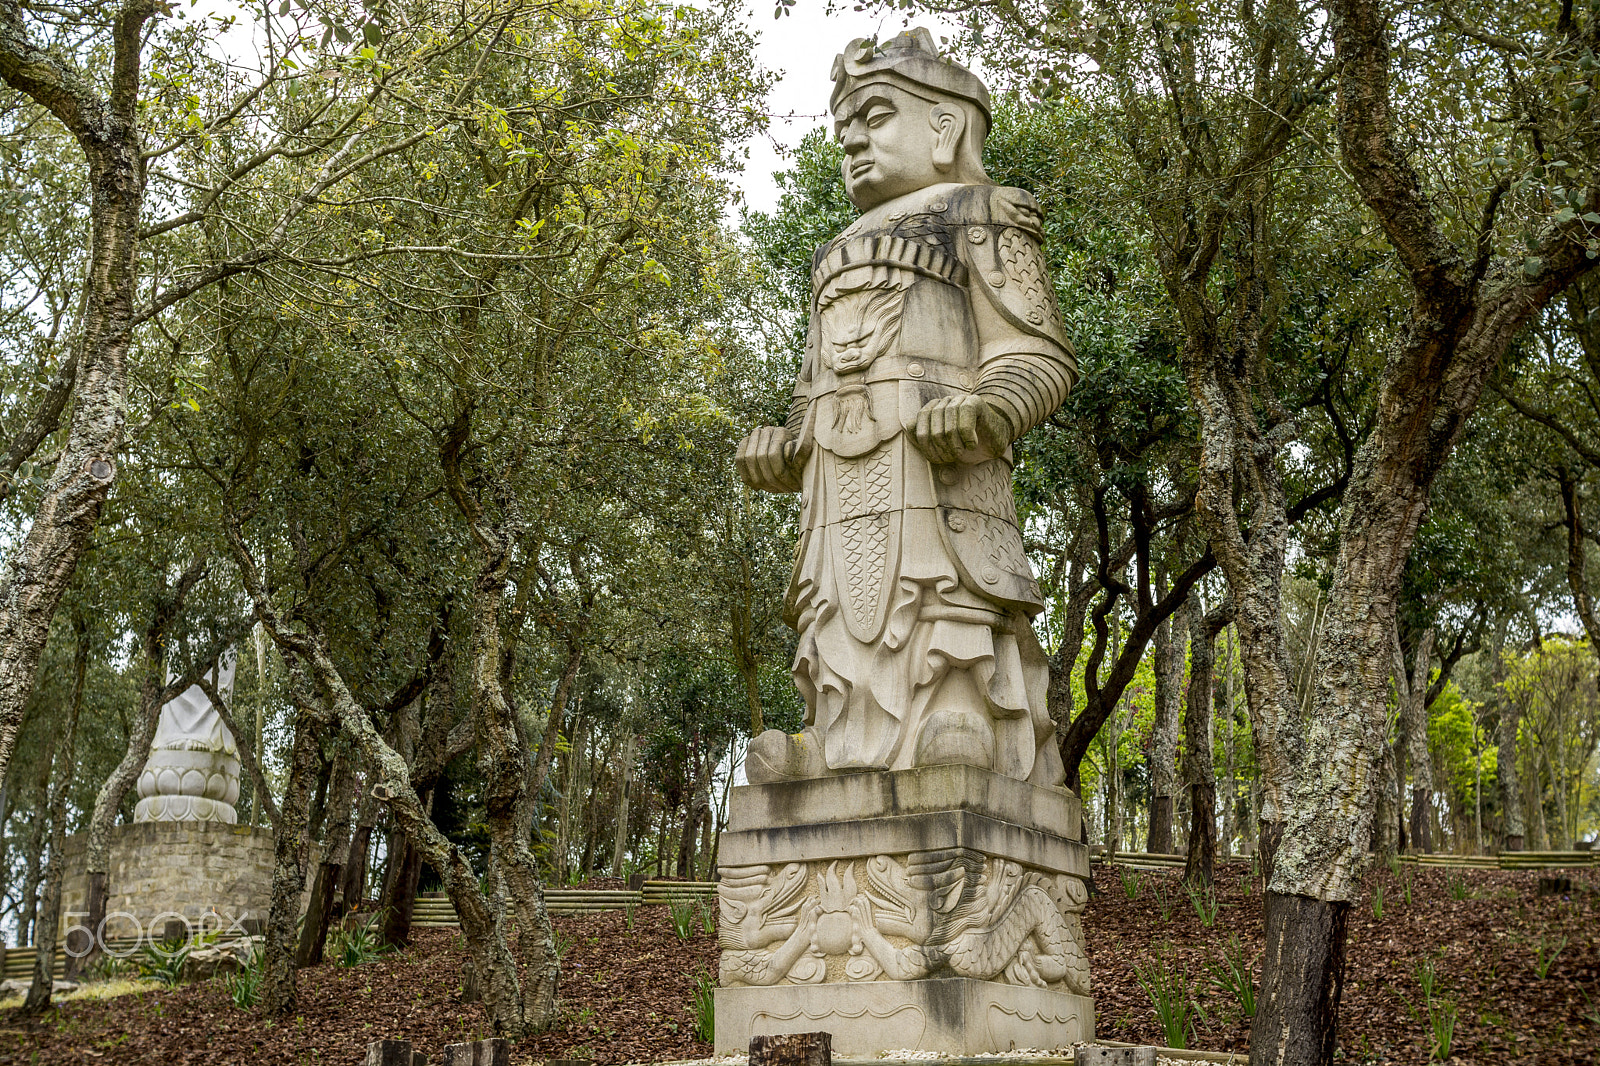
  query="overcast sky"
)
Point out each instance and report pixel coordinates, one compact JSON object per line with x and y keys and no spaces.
{"x":800,"y":47}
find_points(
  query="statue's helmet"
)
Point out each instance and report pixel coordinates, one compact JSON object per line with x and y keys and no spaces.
{"x":911,"y":61}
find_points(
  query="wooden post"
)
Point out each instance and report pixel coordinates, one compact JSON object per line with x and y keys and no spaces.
{"x":792,"y":1049}
{"x":393,"y":1053}
{"x":493,"y":1052}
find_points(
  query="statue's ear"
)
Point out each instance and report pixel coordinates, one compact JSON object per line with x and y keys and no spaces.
{"x":949,"y":124}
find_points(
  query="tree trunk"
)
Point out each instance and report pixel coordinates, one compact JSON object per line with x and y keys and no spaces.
{"x":1302,"y":977}
{"x":278,"y":990}
{"x":49,"y":920}
{"x":1230,"y":812}
{"x":335,"y":846}
{"x":1167,"y":649}
{"x":1198,"y":768}
{"x":40,"y":567}
{"x":1386,"y":817}
{"x":1466,"y":308}
{"x":619,"y":850}
{"x":1414,"y":713}
{"x":354,"y":886}
{"x":400,"y":899}
{"x":33,"y":848}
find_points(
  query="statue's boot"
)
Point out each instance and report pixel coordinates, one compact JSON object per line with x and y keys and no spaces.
{"x":776,"y":756}
{"x":956,"y":736}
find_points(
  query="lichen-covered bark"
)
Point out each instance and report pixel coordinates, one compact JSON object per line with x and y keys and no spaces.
{"x":40,"y":566}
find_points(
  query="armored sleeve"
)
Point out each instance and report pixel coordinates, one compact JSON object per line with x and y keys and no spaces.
{"x":1027,"y":363}
{"x":802,"y":385}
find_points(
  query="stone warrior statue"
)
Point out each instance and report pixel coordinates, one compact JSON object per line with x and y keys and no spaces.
{"x":934,"y":343}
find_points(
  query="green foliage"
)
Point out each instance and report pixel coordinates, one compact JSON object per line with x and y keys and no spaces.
{"x":358,"y":943}
{"x":1377,"y":901}
{"x":242,"y":985}
{"x":1545,"y":953}
{"x":1171,"y":997}
{"x":1165,"y":901}
{"x":684,"y":915}
{"x":1205,"y":903}
{"x":1233,"y":976}
{"x":1131,"y":882}
{"x":1440,"y":1009}
{"x":705,"y":1014}
{"x":163,"y":962}
{"x":1456,"y":884}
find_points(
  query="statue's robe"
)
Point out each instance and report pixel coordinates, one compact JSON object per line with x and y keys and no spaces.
{"x":912,"y":593}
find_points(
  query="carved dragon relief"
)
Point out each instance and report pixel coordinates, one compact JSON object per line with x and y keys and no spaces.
{"x":954,"y":911}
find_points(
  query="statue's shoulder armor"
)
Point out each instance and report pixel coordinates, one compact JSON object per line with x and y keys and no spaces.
{"x":1001,"y":229}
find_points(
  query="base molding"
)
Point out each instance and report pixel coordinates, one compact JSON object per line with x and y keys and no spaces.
{"x":954,"y":1015}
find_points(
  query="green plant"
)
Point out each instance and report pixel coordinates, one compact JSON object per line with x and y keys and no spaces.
{"x":163,"y":962}
{"x":1392,"y":860}
{"x":1164,"y":902}
{"x":1205,"y":903}
{"x":1544,"y":955}
{"x":705,"y":1007}
{"x":681,"y":912}
{"x":708,"y":918}
{"x":1130,"y":882}
{"x":1167,"y":985}
{"x":358,"y":944}
{"x":1233,"y":976}
{"x":627,"y":917}
{"x":1405,"y":889}
{"x":1377,"y":901}
{"x":1591,"y":1012}
{"x":563,"y":941}
{"x":1441,"y":1011}
{"x":244,"y":985}
{"x":1456,"y":884}
{"x":111,"y":967}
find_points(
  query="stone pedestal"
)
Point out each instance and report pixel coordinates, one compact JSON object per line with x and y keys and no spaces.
{"x":210,"y":874}
{"x":936,"y":909}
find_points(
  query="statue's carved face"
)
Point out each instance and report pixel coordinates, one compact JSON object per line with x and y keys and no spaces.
{"x":889,"y":141}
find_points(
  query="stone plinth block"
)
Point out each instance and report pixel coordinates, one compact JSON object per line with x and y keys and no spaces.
{"x":955,"y":1016}
{"x":936,"y":908}
{"x":205,"y":872}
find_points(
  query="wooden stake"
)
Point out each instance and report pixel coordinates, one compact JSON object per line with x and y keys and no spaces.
{"x":792,"y":1049}
{"x":492,"y":1052}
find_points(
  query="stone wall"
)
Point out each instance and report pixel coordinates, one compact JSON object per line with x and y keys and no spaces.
{"x":188,"y":869}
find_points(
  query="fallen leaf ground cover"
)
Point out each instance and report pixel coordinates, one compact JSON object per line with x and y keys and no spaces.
{"x":1484,"y":933}
{"x":627,"y":989}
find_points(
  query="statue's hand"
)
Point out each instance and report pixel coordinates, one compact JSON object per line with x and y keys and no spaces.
{"x":961,"y":429}
{"x":766,"y":460}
